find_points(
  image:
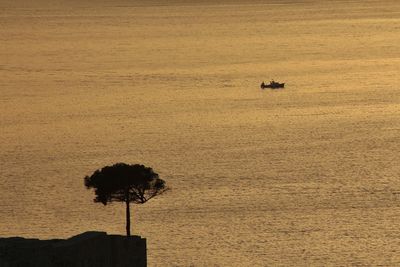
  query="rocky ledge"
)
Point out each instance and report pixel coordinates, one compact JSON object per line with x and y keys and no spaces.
{"x":89,"y":249}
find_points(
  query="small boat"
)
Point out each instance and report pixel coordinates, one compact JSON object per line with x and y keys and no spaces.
{"x":273,"y":85}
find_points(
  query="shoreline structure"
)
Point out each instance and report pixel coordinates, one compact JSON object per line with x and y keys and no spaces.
{"x":88,"y":249}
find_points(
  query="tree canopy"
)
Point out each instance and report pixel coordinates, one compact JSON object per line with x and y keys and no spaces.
{"x":127,"y":183}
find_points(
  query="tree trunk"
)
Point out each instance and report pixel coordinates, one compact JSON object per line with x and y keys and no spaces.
{"x":128,"y":219}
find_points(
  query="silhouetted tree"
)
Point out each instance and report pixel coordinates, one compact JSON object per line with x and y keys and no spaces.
{"x":125,"y":183}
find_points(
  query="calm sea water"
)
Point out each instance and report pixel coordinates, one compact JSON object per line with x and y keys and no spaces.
{"x":304,"y":176}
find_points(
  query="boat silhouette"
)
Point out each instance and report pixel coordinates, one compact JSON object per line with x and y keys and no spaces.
{"x":273,"y":85}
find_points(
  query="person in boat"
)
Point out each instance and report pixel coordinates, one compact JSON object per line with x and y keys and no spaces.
{"x":263,"y":84}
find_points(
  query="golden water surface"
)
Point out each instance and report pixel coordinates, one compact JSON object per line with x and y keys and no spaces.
{"x":304,"y":176}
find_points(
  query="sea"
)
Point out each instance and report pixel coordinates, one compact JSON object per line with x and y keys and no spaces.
{"x":308,"y":175}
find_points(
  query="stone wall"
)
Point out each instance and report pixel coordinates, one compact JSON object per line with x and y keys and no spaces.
{"x":89,"y":249}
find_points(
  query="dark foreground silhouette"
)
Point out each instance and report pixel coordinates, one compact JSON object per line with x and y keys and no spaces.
{"x":125,"y":183}
{"x":89,"y":249}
